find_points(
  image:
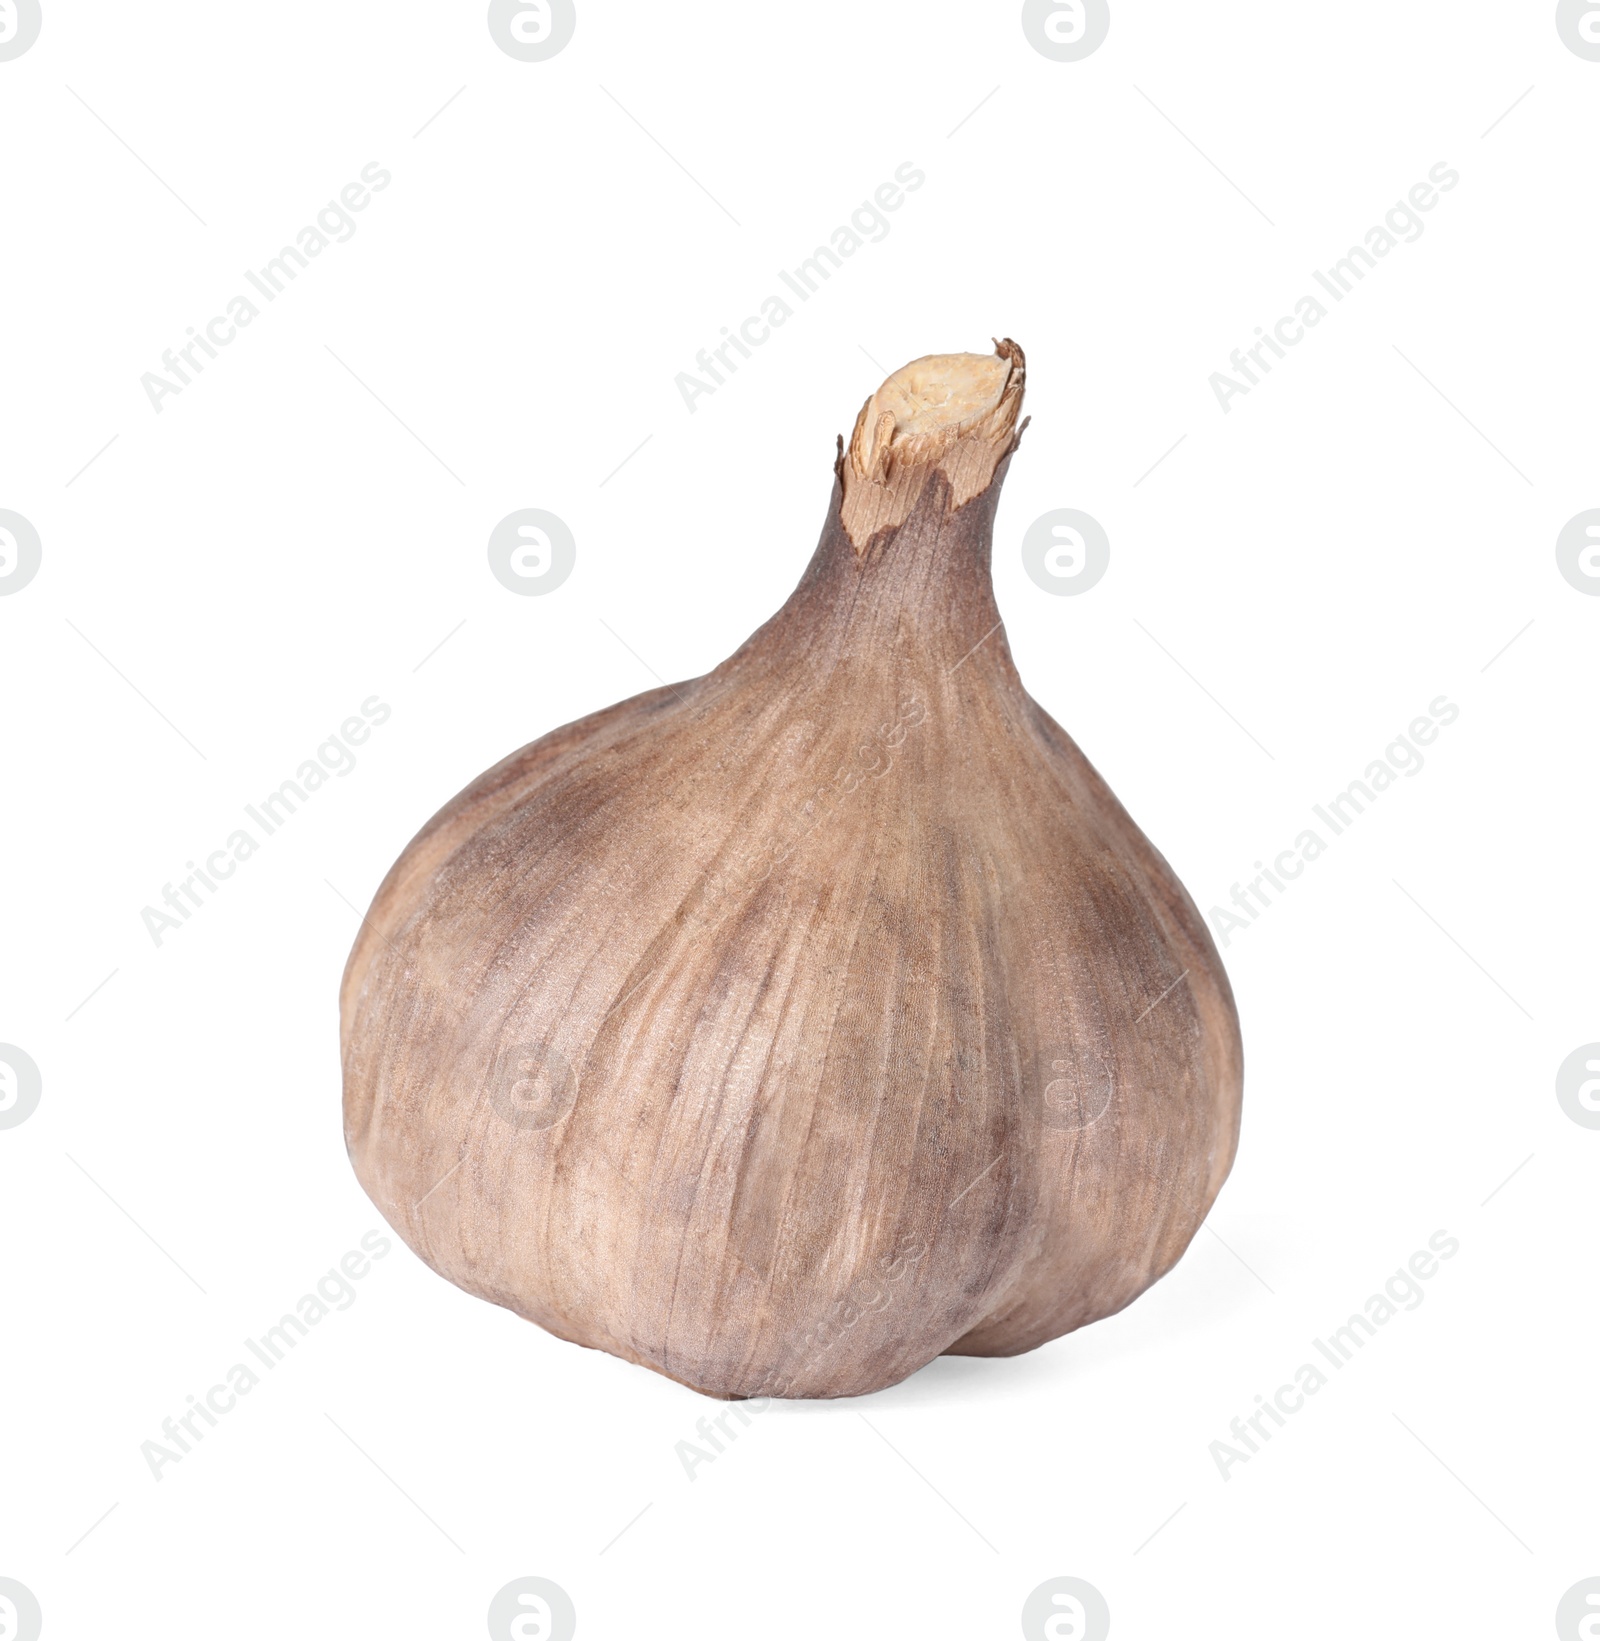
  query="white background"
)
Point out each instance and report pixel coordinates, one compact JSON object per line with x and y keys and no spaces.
{"x":230,"y":578}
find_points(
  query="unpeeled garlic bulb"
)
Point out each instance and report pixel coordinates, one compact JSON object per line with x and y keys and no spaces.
{"x":783,"y":1029}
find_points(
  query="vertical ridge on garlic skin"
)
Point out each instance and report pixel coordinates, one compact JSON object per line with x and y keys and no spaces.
{"x":803,"y":932}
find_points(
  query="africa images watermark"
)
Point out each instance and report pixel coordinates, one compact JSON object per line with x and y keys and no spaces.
{"x":335,"y":225}
{"x":867,"y":1296}
{"x":868,"y":225}
{"x":870,"y":759}
{"x":1402,"y":1291}
{"x":1402,"y":225}
{"x":334,"y":1292}
{"x":336,"y":756}
{"x":1402,"y":756}
{"x":20,"y":21}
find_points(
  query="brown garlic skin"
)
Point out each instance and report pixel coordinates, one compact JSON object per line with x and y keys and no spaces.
{"x":783,"y":1029}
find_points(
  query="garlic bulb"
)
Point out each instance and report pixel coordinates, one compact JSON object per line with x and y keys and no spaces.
{"x":786,"y":1028}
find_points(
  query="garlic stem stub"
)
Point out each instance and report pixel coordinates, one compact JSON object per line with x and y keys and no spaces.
{"x":784,"y":1029}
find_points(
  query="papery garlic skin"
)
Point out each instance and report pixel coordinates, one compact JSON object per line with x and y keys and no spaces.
{"x":783,"y":1029}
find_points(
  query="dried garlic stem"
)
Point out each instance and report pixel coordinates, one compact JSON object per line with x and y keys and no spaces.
{"x":950,"y":413}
